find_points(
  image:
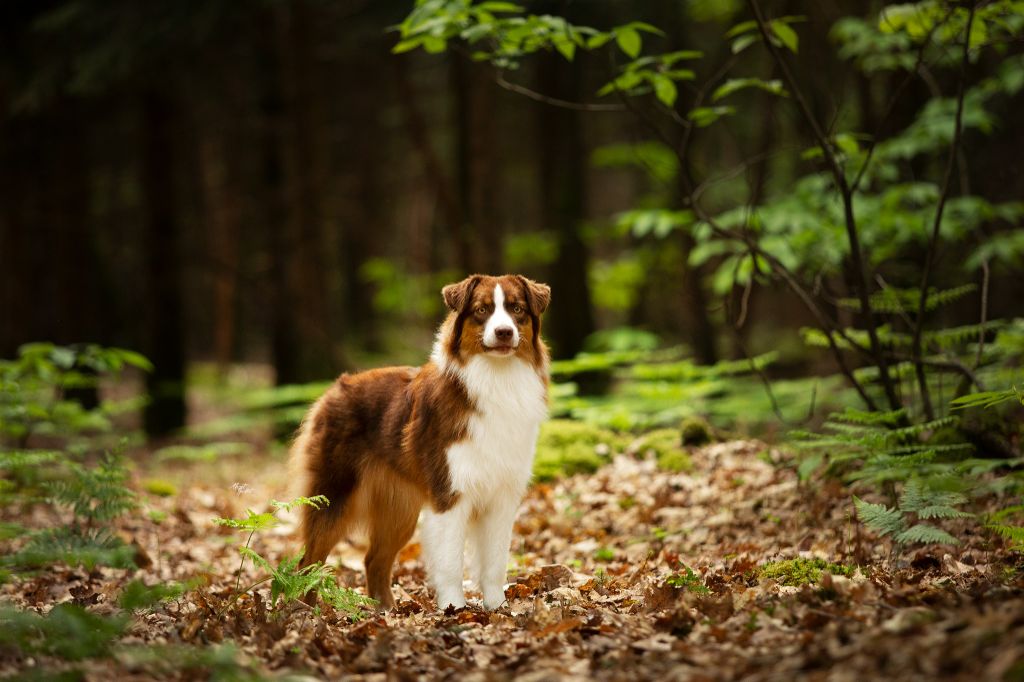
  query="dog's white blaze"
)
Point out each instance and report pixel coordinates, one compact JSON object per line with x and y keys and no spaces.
{"x":499,"y":318}
{"x":490,"y":469}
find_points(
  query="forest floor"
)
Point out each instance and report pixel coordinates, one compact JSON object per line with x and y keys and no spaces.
{"x":599,"y":589}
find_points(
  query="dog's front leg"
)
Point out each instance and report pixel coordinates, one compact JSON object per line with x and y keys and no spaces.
{"x":444,"y":542}
{"x":491,"y":537}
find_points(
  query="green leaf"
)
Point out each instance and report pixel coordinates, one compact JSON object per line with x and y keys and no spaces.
{"x":736,"y":84}
{"x":434,"y":45}
{"x":407,"y":45}
{"x":743,"y":42}
{"x":705,"y":116}
{"x":664,"y":90}
{"x":496,"y":6}
{"x":565,"y":47}
{"x":786,"y":35}
{"x":741,"y":28}
{"x":629,"y":41}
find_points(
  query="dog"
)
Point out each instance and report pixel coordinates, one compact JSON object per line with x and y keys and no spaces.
{"x":454,"y":438}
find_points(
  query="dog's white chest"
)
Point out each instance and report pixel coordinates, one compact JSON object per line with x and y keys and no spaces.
{"x":497,"y":457}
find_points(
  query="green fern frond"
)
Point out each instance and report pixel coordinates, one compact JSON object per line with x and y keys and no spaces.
{"x":1007,"y":512}
{"x":894,"y":300}
{"x":866,"y":418}
{"x":252,"y":522}
{"x":316,"y":502}
{"x":72,"y":546}
{"x":924,"y":534}
{"x":878,"y":517}
{"x":1015,"y":534}
{"x":941,"y":511}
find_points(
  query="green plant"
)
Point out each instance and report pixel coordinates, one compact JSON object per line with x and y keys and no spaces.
{"x":289,"y":582}
{"x":686,"y":579}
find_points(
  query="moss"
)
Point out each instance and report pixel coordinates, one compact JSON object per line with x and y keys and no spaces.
{"x":796,"y":572}
{"x":695,"y":431}
{"x":567,"y":447}
{"x":666,"y":447}
{"x":158,"y":486}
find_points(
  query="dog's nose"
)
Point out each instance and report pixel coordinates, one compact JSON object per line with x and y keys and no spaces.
{"x":503,"y":333}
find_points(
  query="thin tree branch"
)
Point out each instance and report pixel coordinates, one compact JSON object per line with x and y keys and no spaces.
{"x":984,"y":312}
{"x":852,"y":236}
{"x":929,"y":261}
{"x":499,"y":78}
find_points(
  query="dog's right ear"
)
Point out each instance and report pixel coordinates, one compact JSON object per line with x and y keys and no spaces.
{"x":457,"y":295}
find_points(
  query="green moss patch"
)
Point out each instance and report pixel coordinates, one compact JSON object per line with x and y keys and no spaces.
{"x":666,"y":447}
{"x":567,"y":447}
{"x":796,"y":572}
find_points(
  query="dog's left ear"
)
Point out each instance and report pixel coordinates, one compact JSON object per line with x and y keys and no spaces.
{"x":456,"y":295}
{"x":538,"y":295}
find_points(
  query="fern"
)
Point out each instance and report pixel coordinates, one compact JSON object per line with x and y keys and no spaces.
{"x":74,"y":546}
{"x":95,"y":494}
{"x":924,"y":534}
{"x":289,"y":583}
{"x":878,"y":517}
{"x":253,"y":522}
{"x":1015,"y":534}
{"x":67,"y":631}
{"x":893,"y":300}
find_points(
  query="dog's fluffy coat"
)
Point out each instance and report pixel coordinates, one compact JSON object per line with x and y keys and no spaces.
{"x":456,"y":436}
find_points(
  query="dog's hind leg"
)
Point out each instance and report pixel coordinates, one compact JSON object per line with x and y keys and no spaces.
{"x":394,"y":509}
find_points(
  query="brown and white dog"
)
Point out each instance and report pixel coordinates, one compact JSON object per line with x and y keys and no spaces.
{"x":456,"y":436}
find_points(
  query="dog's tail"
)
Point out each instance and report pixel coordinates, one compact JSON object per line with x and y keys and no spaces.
{"x":318,"y":525}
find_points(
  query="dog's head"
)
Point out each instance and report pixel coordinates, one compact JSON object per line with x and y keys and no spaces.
{"x":496,"y":317}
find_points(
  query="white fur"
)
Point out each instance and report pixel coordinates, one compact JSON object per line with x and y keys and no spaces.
{"x":490,"y":470}
{"x":499,"y":318}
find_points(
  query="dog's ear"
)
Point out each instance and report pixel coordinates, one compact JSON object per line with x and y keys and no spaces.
{"x":457,"y":295}
{"x":538,"y":295}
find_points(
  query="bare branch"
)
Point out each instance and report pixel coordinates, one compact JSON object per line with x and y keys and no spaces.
{"x":499,"y":78}
{"x":929,"y":261}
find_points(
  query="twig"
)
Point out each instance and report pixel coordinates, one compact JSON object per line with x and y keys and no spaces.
{"x":852,"y":235}
{"x":984,"y":313}
{"x":499,"y":78}
{"x":933,"y":240}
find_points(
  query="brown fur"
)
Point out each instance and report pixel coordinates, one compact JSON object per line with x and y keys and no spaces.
{"x":376,"y":442}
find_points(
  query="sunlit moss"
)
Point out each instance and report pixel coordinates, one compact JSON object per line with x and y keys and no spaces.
{"x":695,"y":431}
{"x":567,"y":447}
{"x":796,"y":572}
{"x":665,"y":445}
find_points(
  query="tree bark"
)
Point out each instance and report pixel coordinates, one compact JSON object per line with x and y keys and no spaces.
{"x":474,"y":153}
{"x":562,"y":160}
{"x":166,"y":410}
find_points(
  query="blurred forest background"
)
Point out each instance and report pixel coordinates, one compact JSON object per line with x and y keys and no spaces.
{"x":214,"y":183}
{"x":785,"y":248}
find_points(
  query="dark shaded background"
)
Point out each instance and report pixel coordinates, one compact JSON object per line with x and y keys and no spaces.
{"x":265,"y":182}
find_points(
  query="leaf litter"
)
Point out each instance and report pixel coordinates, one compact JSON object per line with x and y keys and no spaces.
{"x":629,"y":572}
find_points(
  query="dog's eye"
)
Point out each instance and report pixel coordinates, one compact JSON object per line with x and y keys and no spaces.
{"x":481,"y":310}
{"x":517,"y":309}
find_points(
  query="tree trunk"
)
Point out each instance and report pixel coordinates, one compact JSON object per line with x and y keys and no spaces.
{"x":164,"y":319}
{"x":474,"y":153}
{"x":302,"y":347}
{"x":563,"y":197}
